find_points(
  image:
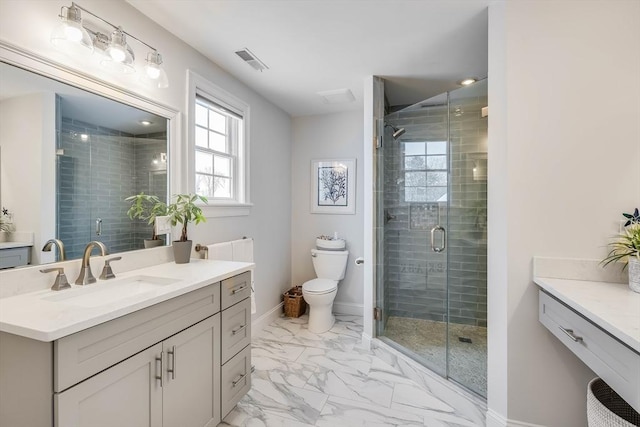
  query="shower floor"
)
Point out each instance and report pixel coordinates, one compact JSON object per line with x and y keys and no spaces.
{"x":427,"y":340}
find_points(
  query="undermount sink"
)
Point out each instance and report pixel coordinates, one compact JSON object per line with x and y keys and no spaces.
{"x":109,"y":291}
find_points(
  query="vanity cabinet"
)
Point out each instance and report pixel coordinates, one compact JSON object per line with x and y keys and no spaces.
{"x":236,"y":339}
{"x":162,"y":366}
{"x":613,"y":361}
{"x":173,"y":383}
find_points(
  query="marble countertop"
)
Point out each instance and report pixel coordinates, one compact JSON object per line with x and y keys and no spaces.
{"x":611,"y":306}
{"x":46,"y":316}
{"x":11,"y":245}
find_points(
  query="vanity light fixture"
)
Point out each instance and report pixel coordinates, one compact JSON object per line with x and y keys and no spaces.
{"x":73,"y":36}
{"x":154,"y":74}
{"x":70,"y":34}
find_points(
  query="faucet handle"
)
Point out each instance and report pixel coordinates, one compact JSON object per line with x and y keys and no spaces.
{"x":61,"y":279}
{"x":107,"y":272}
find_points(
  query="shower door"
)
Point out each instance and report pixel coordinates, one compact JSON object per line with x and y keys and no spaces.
{"x":431,"y":232}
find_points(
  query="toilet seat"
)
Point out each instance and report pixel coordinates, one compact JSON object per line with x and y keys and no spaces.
{"x":320,"y":286}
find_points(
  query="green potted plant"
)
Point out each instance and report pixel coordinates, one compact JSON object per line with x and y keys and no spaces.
{"x":626,"y":248}
{"x":147,"y":207}
{"x":183,"y":211}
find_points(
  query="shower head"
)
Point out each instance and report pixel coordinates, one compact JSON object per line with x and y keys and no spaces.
{"x":397,"y":132}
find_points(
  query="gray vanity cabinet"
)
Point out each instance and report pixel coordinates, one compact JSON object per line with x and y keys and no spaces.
{"x":173,"y":383}
{"x":160,"y":366}
{"x":126,"y":394}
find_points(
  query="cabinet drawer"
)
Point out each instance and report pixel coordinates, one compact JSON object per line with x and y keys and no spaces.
{"x":613,"y":361}
{"x":88,"y":352}
{"x":235,"y":289}
{"x":236,"y":329}
{"x":15,"y":257}
{"x":236,"y":379}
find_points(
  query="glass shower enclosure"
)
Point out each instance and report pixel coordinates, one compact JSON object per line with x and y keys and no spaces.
{"x":431,"y":224}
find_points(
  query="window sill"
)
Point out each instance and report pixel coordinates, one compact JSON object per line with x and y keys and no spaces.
{"x":226,"y":209}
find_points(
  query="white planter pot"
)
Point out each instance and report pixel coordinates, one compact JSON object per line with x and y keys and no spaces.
{"x":634,"y":274}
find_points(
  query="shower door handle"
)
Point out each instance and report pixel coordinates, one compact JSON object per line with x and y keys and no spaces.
{"x":441,"y":248}
{"x":98,"y":226}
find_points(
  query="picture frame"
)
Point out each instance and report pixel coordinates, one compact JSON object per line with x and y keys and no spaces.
{"x":333,"y":186}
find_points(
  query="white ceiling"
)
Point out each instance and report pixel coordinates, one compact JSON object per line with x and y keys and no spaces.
{"x":421,"y":47}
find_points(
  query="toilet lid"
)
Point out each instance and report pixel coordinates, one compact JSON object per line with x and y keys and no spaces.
{"x":320,"y":286}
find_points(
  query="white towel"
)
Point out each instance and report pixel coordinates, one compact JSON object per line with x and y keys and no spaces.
{"x":222,"y":251}
{"x":243,"y":252}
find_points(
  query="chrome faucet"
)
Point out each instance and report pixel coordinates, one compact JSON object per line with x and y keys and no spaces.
{"x":86,"y":277}
{"x":57,"y":243}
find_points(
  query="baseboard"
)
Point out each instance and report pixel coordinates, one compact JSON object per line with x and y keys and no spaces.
{"x":348,"y":308}
{"x":496,"y":420}
{"x":258,"y":324}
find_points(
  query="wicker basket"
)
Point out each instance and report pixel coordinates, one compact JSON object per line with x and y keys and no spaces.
{"x":294,"y":303}
{"x":605,"y":408}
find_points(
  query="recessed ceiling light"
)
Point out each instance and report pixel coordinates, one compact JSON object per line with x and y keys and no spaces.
{"x":467,"y":81}
{"x":145,"y":122}
{"x":338,"y":96}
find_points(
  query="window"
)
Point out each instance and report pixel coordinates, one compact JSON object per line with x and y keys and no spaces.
{"x":218,"y":133}
{"x":425,"y":171}
{"x":218,"y":159}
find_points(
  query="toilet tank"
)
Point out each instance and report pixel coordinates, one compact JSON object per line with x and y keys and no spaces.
{"x":329,"y":264}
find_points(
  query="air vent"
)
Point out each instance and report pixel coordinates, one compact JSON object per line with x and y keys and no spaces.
{"x":338,"y":96}
{"x":247,"y":56}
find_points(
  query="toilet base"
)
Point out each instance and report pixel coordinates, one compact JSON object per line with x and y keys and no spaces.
{"x":320,"y":319}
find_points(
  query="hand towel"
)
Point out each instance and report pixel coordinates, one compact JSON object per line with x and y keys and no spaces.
{"x":221,"y":251}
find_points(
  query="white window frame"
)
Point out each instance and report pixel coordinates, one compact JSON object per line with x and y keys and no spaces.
{"x":241,"y":205}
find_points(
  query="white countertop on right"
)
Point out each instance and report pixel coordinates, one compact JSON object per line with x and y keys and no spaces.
{"x":613,"y":307}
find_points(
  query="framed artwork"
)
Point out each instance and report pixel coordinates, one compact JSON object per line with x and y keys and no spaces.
{"x":333,"y":189}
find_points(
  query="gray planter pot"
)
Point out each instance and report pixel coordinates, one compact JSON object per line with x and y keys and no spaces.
{"x":149,"y":243}
{"x":182,"y":251}
{"x":634,"y":274}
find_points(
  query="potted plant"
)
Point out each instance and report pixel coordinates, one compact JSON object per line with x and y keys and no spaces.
{"x":183,"y":211}
{"x":147,"y":207}
{"x":626,"y":248}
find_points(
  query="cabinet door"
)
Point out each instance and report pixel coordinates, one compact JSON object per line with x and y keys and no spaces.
{"x":127,"y":394}
{"x":191,"y":396}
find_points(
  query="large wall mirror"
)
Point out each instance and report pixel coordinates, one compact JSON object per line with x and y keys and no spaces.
{"x":68,"y":160}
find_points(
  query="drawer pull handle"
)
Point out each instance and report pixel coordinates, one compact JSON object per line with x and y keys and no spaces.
{"x":570,"y":334}
{"x":159,"y":377}
{"x":172,"y":371}
{"x":235,"y":331}
{"x":236,"y":382}
{"x":240,"y":289}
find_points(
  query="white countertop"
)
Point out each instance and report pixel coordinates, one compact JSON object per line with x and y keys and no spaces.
{"x":612,"y":306}
{"x":30,"y":315}
{"x":11,"y":245}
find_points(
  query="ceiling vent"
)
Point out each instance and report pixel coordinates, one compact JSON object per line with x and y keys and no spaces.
{"x":338,"y":96}
{"x":248,"y":57}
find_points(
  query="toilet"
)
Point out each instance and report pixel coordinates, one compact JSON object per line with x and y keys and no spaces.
{"x":319,"y":293}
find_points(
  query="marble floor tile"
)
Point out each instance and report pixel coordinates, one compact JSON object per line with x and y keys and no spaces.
{"x":356,"y":387}
{"x":344,"y":412}
{"x":302,"y":379}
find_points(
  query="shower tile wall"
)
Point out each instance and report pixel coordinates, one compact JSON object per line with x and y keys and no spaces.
{"x":95,"y":177}
{"x":415,"y":276}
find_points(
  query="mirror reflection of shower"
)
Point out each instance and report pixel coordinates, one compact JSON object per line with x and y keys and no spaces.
{"x":397,"y":132}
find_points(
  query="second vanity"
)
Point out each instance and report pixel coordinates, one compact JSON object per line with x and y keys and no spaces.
{"x":164,"y":345}
{"x":596,"y":318}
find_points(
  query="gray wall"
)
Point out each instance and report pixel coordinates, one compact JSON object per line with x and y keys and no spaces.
{"x":416,"y":278}
{"x":330,"y":136}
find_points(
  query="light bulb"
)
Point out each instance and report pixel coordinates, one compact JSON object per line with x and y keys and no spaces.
{"x":117,"y":54}
{"x":153,"y":72}
{"x":73,"y":33}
